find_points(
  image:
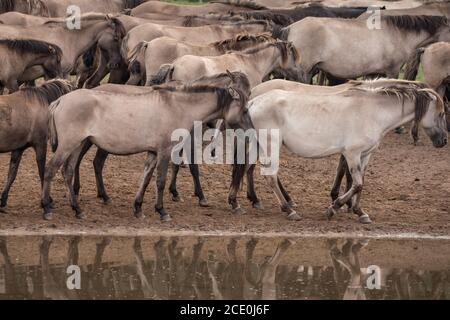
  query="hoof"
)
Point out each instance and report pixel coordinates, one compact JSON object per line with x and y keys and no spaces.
{"x":292,"y":204}
{"x":177,"y":199}
{"x":364,"y":219}
{"x":166,"y":218}
{"x":48,"y":216}
{"x":203,"y":203}
{"x":238,"y":211}
{"x":80,"y":216}
{"x":3,"y":210}
{"x":258,"y":205}
{"x":399,"y":130}
{"x":139,"y":215}
{"x":294,"y":216}
{"x":331,"y":212}
{"x":107,"y":201}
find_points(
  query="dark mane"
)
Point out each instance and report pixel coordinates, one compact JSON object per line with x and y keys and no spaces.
{"x":32,"y":46}
{"x":7,"y":5}
{"x":49,"y":91}
{"x":420,"y":93}
{"x":266,"y":15}
{"x":285,"y":48}
{"x":131,"y":4}
{"x":119,"y":27}
{"x":279,"y":32}
{"x":94,"y":17}
{"x":189,"y":21}
{"x":430,"y":24}
{"x":249,"y":22}
{"x":243,"y":4}
{"x":234,"y":43}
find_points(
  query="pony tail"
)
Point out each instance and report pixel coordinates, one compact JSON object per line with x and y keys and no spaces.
{"x":412,"y":65}
{"x":52,"y":132}
{"x":164,"y":75}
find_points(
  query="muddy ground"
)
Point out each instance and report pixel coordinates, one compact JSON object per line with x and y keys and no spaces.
{"x":407,"y":190}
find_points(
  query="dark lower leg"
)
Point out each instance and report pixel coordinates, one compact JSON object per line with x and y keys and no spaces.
{"x":198,"y":192}
{"x":16,"y":156}
{"x":173,"y":183}
{"x":340,"y":172}
{"x":285,"y":194}
{"x":251,"y":193}
{"x":99,"y":164}
{"x":76,"y":184}
{"x":162,"y":166}
{"x":148,"y":173}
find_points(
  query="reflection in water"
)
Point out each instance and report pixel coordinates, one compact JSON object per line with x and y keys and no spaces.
{"x":221,"y":268}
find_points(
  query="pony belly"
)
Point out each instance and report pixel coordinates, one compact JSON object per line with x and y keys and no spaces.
{"x":121,"y":146}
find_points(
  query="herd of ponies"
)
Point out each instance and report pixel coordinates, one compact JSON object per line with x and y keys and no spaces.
{"x":333,"y":77}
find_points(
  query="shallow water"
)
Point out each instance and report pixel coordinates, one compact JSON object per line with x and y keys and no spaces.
{"x":219,"y":267}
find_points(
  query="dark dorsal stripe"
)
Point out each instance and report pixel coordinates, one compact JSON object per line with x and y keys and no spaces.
{"x":430,"y":24}
{"x":241,"y":4}
{"x":31,"y":46}
{"x":233,"y":43}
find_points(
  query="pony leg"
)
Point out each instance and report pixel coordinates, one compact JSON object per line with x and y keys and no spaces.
{"x":286,"y":194}
{"x":162,"y":166}
{"x":285,"y":207}
{"x":236,"y":179}
{"x":16,"y":156}
{"x":251,"y":193}
{"x":53,"y":165}
{"x":340,"y":172}
{"x":197,"y":185}
{"x":173,"y":183}
{"x":99,"y":164}
{"x":76,"y":184}
{"x":150,"y":165}
{"x":68,"y":173}
{"x":363,"y":217}
{"x":355,"y":166}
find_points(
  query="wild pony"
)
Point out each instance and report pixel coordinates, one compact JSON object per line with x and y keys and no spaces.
{"x":196,"y":35}
{"x":19,"y":55}
{"x":348,"y":49}
{"x":285,"y":16}
{"x":256,"y":63}
{"x":154,"y":9}
{"x":223,"y":79}
{"x":23,"y":124}
{"x":435,"y":60}
{"x":351,"y":122}
{"x":58,"y":8}
{"x":73,"y":43}
{"x":148,"y":57}
{"x":146,"y":125}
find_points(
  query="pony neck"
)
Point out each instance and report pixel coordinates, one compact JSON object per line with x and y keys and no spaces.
{"x":403,"y":113}
{"x":262,"y":64}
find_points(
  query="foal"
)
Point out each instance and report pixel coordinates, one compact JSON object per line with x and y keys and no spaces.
{"x":23,"y":124}
{"x":19,"y":55}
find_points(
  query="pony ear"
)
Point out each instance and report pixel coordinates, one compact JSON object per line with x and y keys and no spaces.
{"x":233,"y":93}
{"x":51,"y":50}
{"x":232,"y":77}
